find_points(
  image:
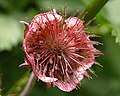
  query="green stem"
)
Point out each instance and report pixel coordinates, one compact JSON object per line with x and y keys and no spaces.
{"x":23,"y":85}
{"x":29,"y":85}
{"x":94,"y":8}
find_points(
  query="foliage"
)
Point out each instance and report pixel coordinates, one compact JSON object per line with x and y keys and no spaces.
{"x":11,"y":55}
{"x":9,"y":32}
{"x":113,"y":16}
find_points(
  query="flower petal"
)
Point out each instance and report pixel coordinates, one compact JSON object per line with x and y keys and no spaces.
{"x":71,"y":84}
{"x":41,"y":19}
{"x":75,"y":23}
{"x":47,"y":79}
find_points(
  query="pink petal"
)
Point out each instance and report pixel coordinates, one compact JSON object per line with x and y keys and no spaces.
{"x":41,"y":19}
{"x":75,"y":22}
{"x":47,"y":79}
{"x":69,"y":86}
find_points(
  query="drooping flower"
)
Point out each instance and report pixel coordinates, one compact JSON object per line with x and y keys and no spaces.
{"x":58,"y":50}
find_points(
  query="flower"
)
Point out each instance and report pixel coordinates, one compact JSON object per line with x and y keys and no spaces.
{"x":58,"y":50}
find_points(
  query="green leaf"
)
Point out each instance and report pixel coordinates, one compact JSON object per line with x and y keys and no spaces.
{"x":113,"y":15}
{"x":9,"y":32}
{"x":19,"y":85}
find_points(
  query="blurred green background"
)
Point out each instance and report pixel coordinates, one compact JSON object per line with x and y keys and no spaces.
{"x":11,"y":55}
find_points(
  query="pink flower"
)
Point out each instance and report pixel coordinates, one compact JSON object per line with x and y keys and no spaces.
{"x":58,"y":50}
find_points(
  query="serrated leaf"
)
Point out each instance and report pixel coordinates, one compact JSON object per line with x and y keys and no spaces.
{"x":113,"y":15}
{"x":9,"y":32}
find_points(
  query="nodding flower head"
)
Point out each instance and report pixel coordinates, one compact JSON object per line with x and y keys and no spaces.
{"x":58,"y":50}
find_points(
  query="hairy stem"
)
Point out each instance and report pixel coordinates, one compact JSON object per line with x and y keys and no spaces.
{"x":94,"y":8}
{"x":28,"y":86}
